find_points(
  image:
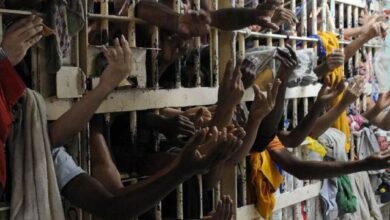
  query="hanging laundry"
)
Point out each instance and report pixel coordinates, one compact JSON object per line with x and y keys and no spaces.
{"x":35,"y":194}
{"x":11,"y":89}
{"x":65,"y":17}
{"x":266,"y":179}
{"x":366,"y":206}
{"x":331,"y":43}
{"x":346,"y":200}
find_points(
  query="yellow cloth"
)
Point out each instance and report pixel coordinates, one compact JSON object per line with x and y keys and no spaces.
{"x":331,"y":43}
{"x":266,"y":179}
{"x":315,"y":146}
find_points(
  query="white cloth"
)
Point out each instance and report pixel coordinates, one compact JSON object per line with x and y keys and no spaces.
{"x":35,"y":193}
{"x":65,"y":167}
{"x":367,"y":207}
{"x":334,"y":141}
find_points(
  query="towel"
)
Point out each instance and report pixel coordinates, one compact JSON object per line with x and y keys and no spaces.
{"x":35,"y":194}
{"x":266,"y":179}
{"x":331,"y":43}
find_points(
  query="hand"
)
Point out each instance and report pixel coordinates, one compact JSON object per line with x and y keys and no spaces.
{"x":335,"y":60}
{"x":201,"y":154}
{"x":224,"y":210}
{"x":378,"y":29}
{"x":175,"y":126}
{"x":370,"y":19}
{"x":383,"y":101}
{"x":20,"y":37}
{"x":232,"y":89}
{"x":328,"y":94}
{"x":265,"y":10}
{"x":284,"y":15}
{"x":262,"y":105}
{"x":354,"y":90}
{"x":378,"y":161}
{"x":119,"y":63}
{"x":194,"y":24}
{"x":249,"y":70}
{"x":173,"y":47}
{"x":289,"y":62}
{"x":201,"y":118}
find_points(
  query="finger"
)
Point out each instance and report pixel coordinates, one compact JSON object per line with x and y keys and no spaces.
{"x":30,"y":33}
{"x":204,"y":17}
{"x":126,"y":49}
{"x":237,"y":75}
{"x":106,"y":53}
{"x":228,"y":71}
{"x":26,"y":26}
{"x":275,"y":89}
{"x":186,"y":132}
{"x":21,"y":23}
{"x":113,"y":53}
{"x":33,"y":41}
{"x":196,"y":140}
{"x":292,"y":53}
{"x":118,"y":49}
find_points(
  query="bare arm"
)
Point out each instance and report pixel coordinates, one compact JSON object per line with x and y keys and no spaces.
{"x":90,"y":195}
{"x":325,"y":169}
{"x":270,"y":123}
{"x":353,"y":91}
{"x":261,"y":106}
{"x":294,"y":138}
{"x":376,"y":115}
{"x":77,"y":118}
{"x":166,"y":18}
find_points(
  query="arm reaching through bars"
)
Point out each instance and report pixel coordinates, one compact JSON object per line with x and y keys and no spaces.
{"x":269,"y":125}
{"x":77,"y":118}
{"x":376,"y":115}
{"x":90,"y":195}
{"x":261,"y":106}
{"x":298,"y":134}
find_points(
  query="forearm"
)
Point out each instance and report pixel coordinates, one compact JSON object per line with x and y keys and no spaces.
{"x":139,"y":198}
{"x":353,"y":32}
{"x":354,"y":46}
{"x":270,"y":123}
{"x":306,"y":169}
{"x":325,"y":121}
{"x":309,"y":170}
{"x":170,"y":112}
{"x":299,"y":133}
{"x":382,"y":121}
{"x":229,"y":19}
{"x":157,"y":14}
{"x":222,"y":117}
{"x":77,"y":118}
{"x":322,"y":70}
{"x":251,"y":129}
{"x":372,"y":113}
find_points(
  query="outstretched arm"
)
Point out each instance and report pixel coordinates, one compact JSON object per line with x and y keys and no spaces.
{"x":76,"y":118}
{"x":298,"y":134}
{"x":353,"y":92}
{"x":261,"y":106}
{"x":269,"y":124}
{"x":89,"y":194}
{"x":376,"y":114}
{"x":306,"y":170}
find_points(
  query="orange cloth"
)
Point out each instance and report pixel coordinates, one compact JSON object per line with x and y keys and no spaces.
{"x":331,"y":43}
{"x":266,"y":179}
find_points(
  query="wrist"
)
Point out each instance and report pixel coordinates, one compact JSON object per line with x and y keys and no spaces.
{"x":105,"y":88}
{"x":181,"y":170}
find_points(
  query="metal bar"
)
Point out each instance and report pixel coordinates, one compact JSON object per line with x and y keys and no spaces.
{"x":197,"y":48}
{"x":304,"y":21}
{"x":177,"y":6}
{"x":116,"y":18}
{"x":214,"y":51}
{"x":5,"y":11}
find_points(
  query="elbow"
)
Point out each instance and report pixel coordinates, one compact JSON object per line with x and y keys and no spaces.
{"x":112,"y":211}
